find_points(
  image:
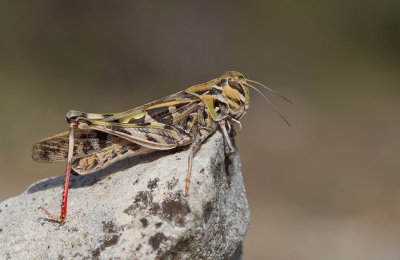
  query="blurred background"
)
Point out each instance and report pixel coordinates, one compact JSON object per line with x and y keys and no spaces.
{"x":326,"y":188}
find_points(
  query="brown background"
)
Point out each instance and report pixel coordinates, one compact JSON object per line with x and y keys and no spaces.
{"x":326,"y":188}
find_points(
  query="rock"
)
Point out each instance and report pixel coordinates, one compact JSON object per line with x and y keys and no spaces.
{"x":135,"y":209}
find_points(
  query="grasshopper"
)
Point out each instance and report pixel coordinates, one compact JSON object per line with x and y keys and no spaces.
{"x":187,"y":118}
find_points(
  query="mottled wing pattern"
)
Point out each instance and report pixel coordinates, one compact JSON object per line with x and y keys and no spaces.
{"x":55,"y":148}
{"x":150,"y":125}
{"x":152,"y":135}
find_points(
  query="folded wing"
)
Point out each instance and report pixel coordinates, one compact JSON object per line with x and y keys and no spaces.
{"x":87,"y":142}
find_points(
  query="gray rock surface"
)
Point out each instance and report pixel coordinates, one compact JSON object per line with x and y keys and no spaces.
{"x":135,"y":210}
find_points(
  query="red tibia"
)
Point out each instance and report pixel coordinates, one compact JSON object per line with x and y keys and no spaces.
{"x":67,"y":173}
{"x":65,"y":193}
{"x":63,"y":215}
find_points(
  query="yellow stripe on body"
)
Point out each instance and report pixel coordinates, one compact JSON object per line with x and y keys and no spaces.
{"x":131,"y":125}
{"x":167,"y":104}
{"x":137,"y":115}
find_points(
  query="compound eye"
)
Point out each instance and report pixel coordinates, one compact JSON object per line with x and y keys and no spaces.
{"x":233,"y":82}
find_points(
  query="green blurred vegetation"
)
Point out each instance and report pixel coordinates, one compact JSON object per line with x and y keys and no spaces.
{"x":328,"y":182}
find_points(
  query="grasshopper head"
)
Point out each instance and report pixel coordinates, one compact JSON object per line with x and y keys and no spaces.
{"x":235,"y":92}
